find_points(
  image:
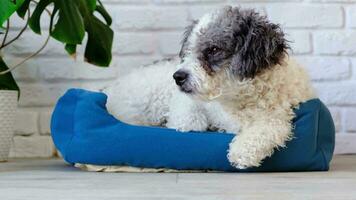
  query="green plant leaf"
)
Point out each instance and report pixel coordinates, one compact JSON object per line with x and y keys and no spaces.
{"x":75,"y":18}
{"x":100,"y":37}
{"x":71,"y":49}
{"x":70,"y":25}
{"x":54,"y":14}
{"x":7,"y":81}
{"x":91,"y":4}
{"x":104,"y":13}
{"x":7,"y":8}
{"x":35,"y":20}
{"x":21,"y":11}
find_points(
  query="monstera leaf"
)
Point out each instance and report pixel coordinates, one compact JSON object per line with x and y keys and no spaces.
{"x":7,"y":8}
{"x":21,"y":11}
{"x":35,"y":20}
{"x":70,"y":25}
{"x":70,"y":21}
{"x":98,"y":51}
{"x":75,"y":18}
{"x":7,"y":82}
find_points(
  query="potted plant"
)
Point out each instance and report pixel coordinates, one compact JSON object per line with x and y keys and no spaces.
{"x":70,"y":21}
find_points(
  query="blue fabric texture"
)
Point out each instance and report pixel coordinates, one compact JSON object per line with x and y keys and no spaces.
{"x":84,"y":132}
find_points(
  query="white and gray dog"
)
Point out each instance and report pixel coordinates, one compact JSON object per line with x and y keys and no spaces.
{"x":233,"y":75}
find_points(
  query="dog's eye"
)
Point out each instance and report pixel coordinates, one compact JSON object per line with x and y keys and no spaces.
{"x":213,"y":50}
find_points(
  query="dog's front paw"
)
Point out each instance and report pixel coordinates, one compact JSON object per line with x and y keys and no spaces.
{"x":243,"y":160}
{"x":243,"y":156}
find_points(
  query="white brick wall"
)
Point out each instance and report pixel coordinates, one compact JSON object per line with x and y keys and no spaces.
{"x":323,"y":32}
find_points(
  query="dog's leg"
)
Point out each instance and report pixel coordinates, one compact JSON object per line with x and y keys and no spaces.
{"x":186,"y":114}
{"x":220,"y":119}
{"x":258,"y":139}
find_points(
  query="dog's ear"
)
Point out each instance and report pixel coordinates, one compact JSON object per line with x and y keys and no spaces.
{"x":260,"y":45}
{"x":186,"y":35}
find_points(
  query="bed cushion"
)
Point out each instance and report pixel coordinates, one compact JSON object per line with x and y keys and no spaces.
{"x":84,"y":132}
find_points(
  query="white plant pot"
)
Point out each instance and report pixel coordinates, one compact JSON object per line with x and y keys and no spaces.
{"x":8,"y":108}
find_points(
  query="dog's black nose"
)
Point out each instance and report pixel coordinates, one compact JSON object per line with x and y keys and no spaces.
{"x":180,"y":77}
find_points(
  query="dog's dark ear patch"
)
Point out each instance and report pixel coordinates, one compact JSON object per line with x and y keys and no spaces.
{"x":187,"y":33}
{"x":260,"y":44}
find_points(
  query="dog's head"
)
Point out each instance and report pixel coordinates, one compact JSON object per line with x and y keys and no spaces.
{"x":226,"y":47}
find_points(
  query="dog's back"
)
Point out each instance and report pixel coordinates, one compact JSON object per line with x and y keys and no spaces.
{"x":142,"y":97}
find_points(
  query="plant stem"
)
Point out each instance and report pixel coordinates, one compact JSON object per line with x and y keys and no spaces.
{"x":28,"y":57}
{"x":6,"y":33}
{"x":34,"y":54}
{"x":20,"y":33}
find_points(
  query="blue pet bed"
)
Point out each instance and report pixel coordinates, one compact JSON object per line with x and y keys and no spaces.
{"x":84,"y":132}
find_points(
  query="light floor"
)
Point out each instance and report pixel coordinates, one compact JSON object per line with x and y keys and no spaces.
{"x":53,"y":179}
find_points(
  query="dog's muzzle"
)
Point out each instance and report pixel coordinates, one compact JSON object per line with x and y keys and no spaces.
{"x":180,"y":77}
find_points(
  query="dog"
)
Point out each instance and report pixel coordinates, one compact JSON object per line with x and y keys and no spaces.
{"x":233,"y":75}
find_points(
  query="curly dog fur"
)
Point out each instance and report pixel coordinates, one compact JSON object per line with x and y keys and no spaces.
{"x":233,"y":75}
